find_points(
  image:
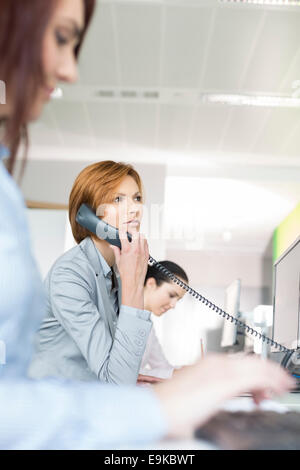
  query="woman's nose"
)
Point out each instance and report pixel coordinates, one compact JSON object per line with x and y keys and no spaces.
{"x":133,"y":209}
{"x":68,"y":69}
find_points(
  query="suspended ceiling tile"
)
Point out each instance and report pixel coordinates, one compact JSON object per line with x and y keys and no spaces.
{"x":185,"y":42}
{"x":140,"y":123}
{"x":274,"y":134}
{"x":98,"y":62}
{"x":106,"y":123}
{"x":208,"y":127}
{"x":292,"y":145}
{"x":73,"y":122}
{"x":139,"y":41}
{"x":232,"y":41}
{"x":278,"y":44}
{"x":244,"y":125}
{"x":174,"y":126}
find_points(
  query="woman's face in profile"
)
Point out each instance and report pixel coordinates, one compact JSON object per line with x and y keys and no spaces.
{"x":162,"y":298}
{"x":59,"y":61}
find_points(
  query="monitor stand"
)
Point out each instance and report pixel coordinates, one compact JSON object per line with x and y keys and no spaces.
{"x":291,"y":362}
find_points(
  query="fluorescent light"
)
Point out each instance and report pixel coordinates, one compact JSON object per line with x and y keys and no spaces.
{"x":251,"y":100}
{"x":265,"y":2}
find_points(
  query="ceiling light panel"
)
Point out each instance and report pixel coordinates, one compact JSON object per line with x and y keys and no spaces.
{"x":251,"y":100}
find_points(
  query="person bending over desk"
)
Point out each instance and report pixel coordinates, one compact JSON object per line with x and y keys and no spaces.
{"x":96,"y":327}
{"x":160,"y":295}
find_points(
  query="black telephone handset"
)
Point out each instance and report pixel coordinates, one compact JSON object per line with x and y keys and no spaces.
{"x":87,"y":218}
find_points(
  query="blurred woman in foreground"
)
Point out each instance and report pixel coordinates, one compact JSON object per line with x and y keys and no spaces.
{"x":39,"y":46}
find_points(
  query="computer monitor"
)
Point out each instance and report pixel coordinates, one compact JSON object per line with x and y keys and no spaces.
{"x":286,"y":298}
{"x":231,"y":306}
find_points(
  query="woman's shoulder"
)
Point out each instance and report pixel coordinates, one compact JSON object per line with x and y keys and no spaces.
{"x":73,"y":262}
{"x":12,"y":205}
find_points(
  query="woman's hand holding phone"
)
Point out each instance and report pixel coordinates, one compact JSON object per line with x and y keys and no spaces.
{"x":132,"y":262}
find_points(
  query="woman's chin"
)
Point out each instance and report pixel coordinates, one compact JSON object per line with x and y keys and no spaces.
{"x":35,"y":114}
{"x":38,"y":108}
{"x":157,"y":313}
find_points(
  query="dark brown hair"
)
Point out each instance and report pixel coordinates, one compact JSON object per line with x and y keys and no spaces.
{"x":160,"y":277}
{"x":22,"y":28}
{"x":96,"y":185}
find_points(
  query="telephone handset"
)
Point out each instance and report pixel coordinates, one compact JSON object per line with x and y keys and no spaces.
{"x":87,"y":218}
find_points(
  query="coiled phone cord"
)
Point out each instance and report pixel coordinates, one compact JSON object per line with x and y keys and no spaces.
{"x":217,"y":309}
{"x":87,"y":218}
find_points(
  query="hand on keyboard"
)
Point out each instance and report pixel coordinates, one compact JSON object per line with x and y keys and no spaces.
{"x":252,"y":430}
{"x":196,"y":393}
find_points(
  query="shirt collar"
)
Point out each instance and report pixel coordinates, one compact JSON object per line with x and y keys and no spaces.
{"x":90,"y":249}
{"x":106,"y":269}
{"x":4,"y":152}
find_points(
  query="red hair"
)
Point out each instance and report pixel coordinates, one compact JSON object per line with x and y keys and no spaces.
{"x":22,"y":27}
{"x":95,"y":186}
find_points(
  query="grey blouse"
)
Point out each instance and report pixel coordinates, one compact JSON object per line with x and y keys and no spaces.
{"x":87,"y":334}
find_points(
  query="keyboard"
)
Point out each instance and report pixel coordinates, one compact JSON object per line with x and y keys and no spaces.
{"x":297,"y":387}
{"x":258,"y":429}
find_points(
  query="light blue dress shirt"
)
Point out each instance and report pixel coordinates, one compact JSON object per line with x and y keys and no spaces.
{"x":53,"y":414}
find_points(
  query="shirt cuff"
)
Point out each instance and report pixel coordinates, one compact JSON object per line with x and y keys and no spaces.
{"x":136,"y":312}
{"x":160,"y":373}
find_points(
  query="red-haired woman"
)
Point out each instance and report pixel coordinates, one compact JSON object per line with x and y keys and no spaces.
{"x":96,"y":327}
{"x":39,"y":44}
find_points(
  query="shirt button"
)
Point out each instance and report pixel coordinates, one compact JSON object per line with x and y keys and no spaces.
{"x":142,"y":333}
{"x":139,"y":342}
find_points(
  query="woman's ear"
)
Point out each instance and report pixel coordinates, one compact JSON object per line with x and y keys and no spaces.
{"x":151,"y":283}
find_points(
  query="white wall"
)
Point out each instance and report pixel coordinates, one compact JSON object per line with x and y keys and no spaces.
{"x":48,"y":236}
